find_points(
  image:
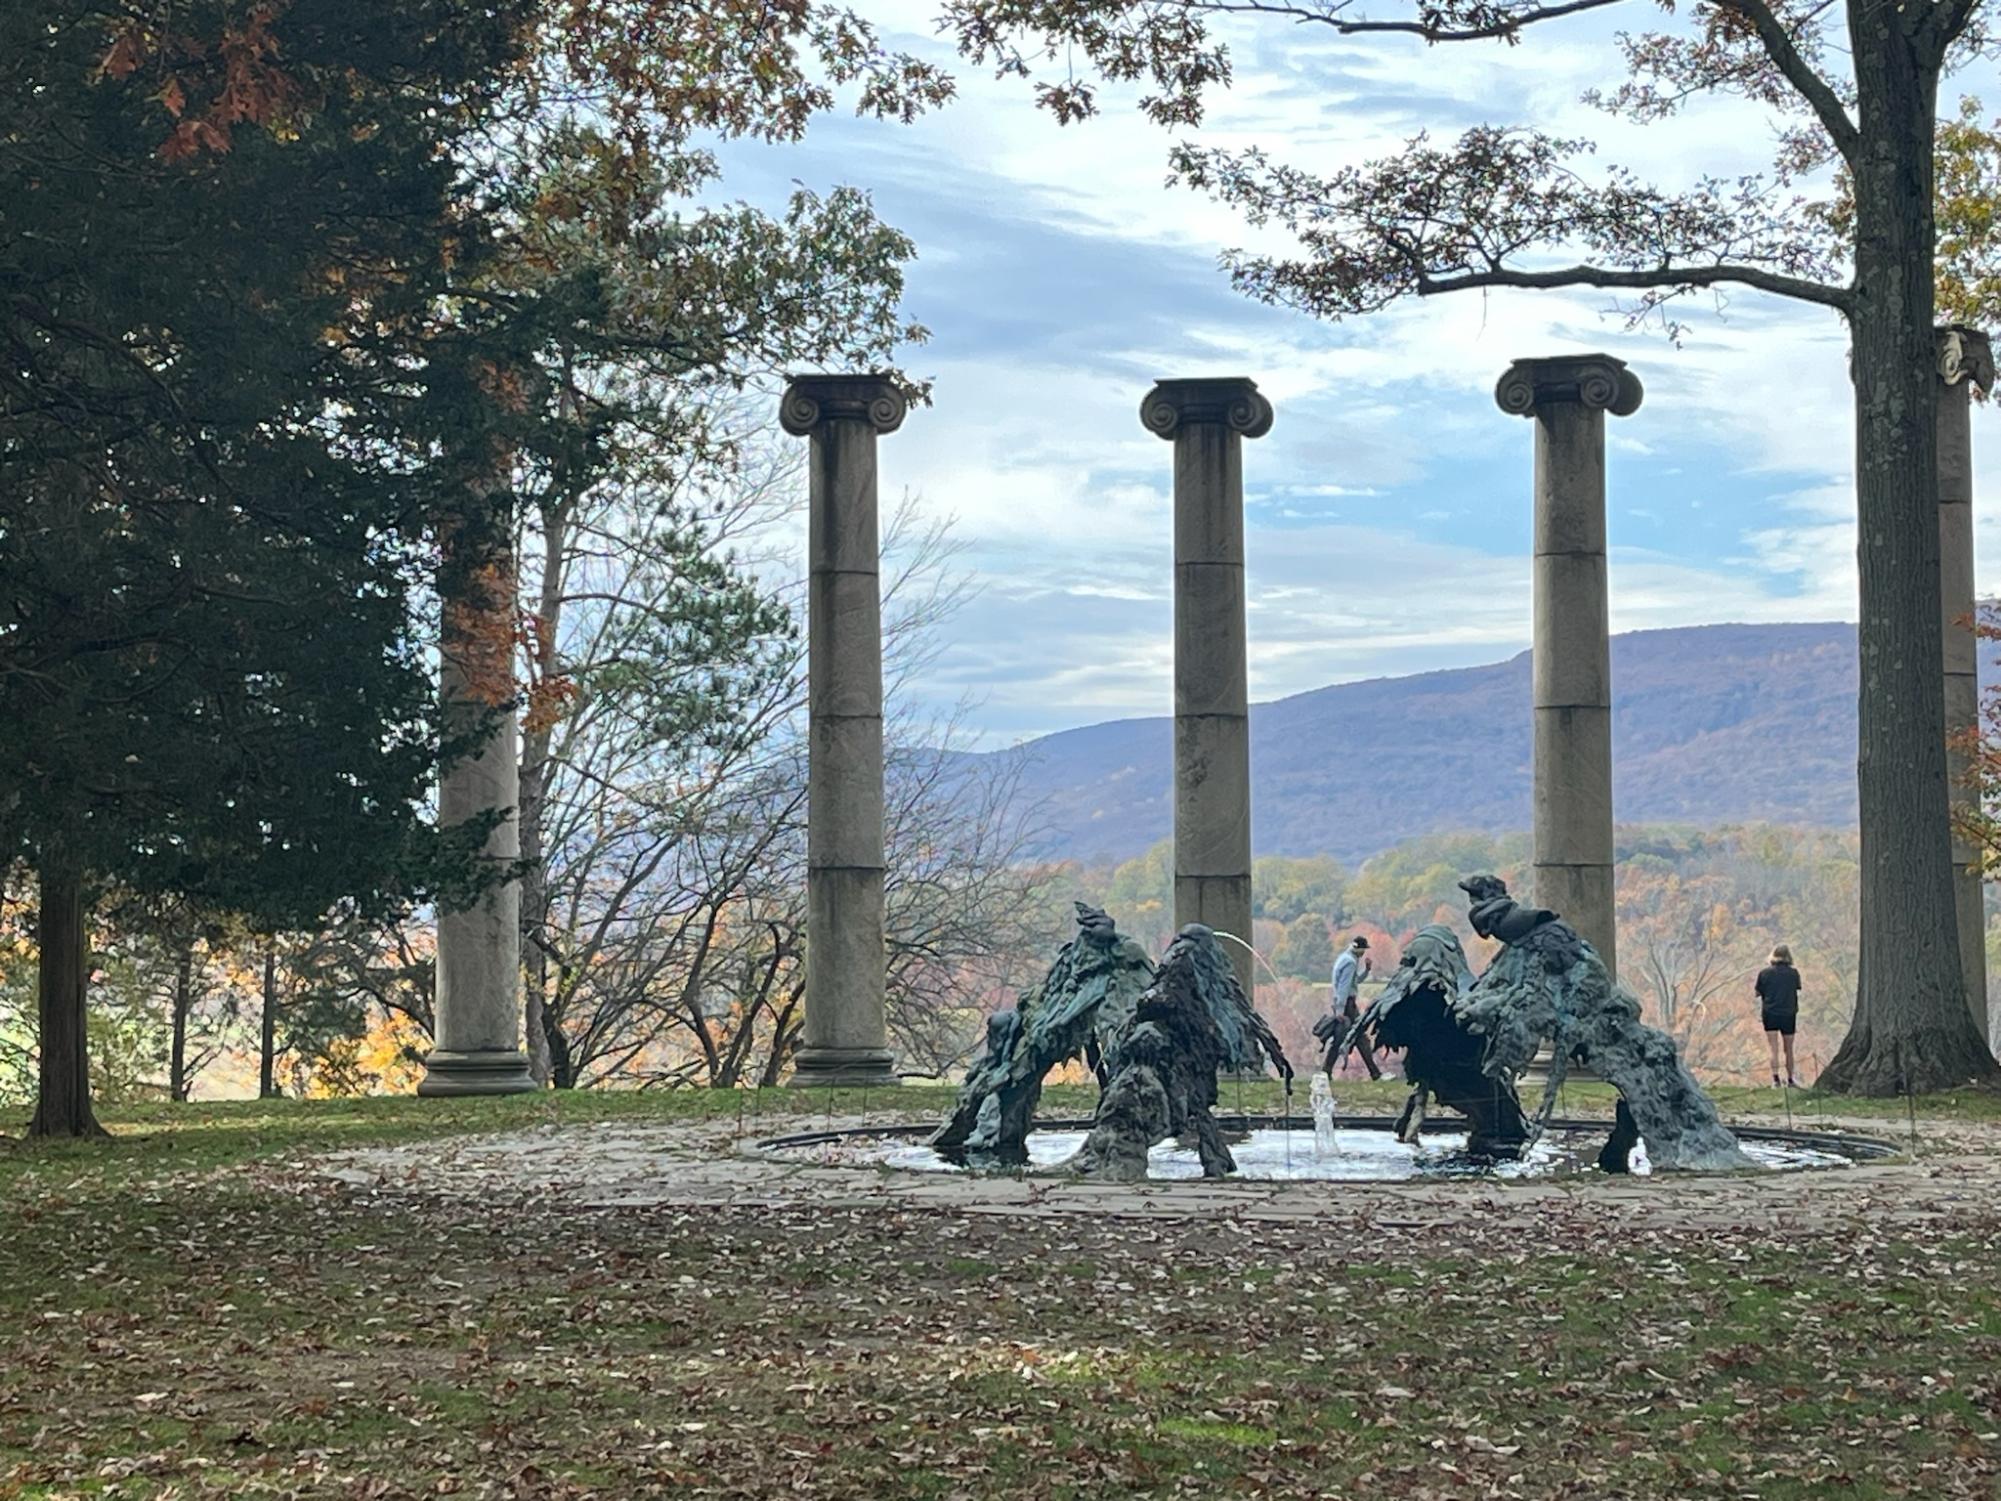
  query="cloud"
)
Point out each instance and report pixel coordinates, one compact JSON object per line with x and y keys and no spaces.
{"x":1388,"y":509}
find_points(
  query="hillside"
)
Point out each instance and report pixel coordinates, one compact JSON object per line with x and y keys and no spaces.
{"x":1711,"y":724}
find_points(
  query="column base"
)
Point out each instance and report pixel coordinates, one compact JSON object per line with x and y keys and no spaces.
{"x":490,"y":1071}
{"x":843,"y":1068}
{"x":1535,"y":1078}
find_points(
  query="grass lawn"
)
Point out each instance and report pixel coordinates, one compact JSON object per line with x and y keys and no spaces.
{"x":185,"y":1313}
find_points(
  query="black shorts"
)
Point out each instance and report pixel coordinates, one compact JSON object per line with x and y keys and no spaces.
{"x":1781,"y":1022}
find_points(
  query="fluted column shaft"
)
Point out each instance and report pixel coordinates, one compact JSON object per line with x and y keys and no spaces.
{"x":1207,"y":421}
{"x":1567,"y":398}
{"x":846,"y":1037}
{"x":1965,"y":361}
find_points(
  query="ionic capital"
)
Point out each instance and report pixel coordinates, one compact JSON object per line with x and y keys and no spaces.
{"x":1229,"y":401}
{"x":1964,"y":354}
{"x":812,"y":400}
{"x":1593,"y":380}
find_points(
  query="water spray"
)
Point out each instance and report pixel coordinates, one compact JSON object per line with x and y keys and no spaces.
{"x":1326,"y":1142}
{"x":1248,"y":948}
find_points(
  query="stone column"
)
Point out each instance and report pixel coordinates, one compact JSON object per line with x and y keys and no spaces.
{"x":1965,"y":360}
{"x":477,"y":1020}
{"x":846,"y":1041}
{"x":1568,"y":398}
{"x":1208,"y":421}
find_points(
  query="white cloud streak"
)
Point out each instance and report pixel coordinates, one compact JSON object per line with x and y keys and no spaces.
{"x":1388,"y":507}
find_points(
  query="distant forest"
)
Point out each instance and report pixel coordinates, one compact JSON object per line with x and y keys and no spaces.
{"x":1699,"y":910}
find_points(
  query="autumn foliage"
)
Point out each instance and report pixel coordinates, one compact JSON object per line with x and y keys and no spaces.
{"x":1699,"y":912}
{"x":207,"y":86}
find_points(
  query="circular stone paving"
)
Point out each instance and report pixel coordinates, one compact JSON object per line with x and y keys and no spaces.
{"x":1359,"y":1151}
{"x":1945,"y":1172}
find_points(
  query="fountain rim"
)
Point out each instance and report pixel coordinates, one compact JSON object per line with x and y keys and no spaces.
{"x":1856,"y":1148}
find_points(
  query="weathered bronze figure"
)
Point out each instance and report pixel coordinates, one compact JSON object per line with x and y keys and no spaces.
{"x":1082,"y":1006}
{"x":1192,"y":1021}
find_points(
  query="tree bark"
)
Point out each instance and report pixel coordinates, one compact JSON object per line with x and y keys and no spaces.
{"x":562,"y":1069}
{"x":536,"y":1020}
{"x":267,"y":1054}
{"x":784,"y":1037}
{"x":177,"y":1065}
{"x":535,"y":747}
{"x":1911,"y":1028}
{"x":62,"y":1106}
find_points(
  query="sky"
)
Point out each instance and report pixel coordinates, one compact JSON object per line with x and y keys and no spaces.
{"x":1387,"y":512}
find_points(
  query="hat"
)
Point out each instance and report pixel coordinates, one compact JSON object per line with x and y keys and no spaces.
{"x":1358,"y":941}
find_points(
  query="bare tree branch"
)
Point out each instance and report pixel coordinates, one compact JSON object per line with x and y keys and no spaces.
{"x":1668,"y":276}
{"x":1799,"y":73}
{"x":1502,"y":29}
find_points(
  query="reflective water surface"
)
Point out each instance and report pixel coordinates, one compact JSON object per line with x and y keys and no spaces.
{"x":1276,"y":1153}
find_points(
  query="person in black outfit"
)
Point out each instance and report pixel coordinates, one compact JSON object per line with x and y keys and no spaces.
{"x":1779,"y":1008}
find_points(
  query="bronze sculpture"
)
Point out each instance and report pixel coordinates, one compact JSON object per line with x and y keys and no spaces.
{"x":1193,"y":1020}
{"x":1548,"y":984}
{"x":1082,"y":1006}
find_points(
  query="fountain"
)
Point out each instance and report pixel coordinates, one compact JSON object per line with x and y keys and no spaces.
{"x":1548,"y":985}
{"x":1416,"y":1014}
{"x":1157,"y":1038}
{"x":1193,"y":1021}
{"x":1082,"y":1007}
{"x":1142,"y":1033}
{"x":1320,"y":1099}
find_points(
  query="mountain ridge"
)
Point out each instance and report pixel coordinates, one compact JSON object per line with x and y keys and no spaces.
{"x":1711,"y":724}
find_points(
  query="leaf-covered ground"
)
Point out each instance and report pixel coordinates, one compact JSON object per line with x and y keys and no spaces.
{"x":212,"y":1318}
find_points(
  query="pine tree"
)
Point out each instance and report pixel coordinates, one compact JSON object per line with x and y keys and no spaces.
{"x":224,"y":235}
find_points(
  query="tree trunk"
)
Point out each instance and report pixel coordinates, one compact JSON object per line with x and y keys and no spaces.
{"x":784,"y":1037}
{"x":755,"y":997}
{"x":712,"y":1056}
{"x":562,"y":1070}
{"x":535,"y":746}
{"x":1911,"y":1029}
{"x":535,"y":906}
{"x":62,"y":1106}
{"x":267,"y":1055}
{"x":177,"y":1065}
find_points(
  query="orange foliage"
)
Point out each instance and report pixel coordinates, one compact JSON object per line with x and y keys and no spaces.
{"x":386,"y":1060}
{"x":551,"y":694}
{"x":480,"y":634}
{"x":239,"y":70}
{"x":1977,"y":755}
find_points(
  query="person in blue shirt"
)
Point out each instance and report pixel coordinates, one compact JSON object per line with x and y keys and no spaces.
{"x":1351,"y":966}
